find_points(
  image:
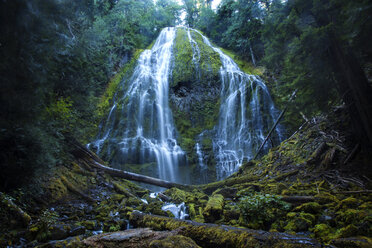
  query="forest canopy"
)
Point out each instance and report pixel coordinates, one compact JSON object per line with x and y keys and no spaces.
{"x":58,"y":56}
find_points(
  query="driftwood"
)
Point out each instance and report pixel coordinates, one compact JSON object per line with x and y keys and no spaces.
{"x":137,"y":177}
{"x":275,"y":124}
{"x":213,"y":235}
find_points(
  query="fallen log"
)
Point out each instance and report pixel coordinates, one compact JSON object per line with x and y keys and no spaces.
{"x":138,"y":178}
{"x":213,"y":235}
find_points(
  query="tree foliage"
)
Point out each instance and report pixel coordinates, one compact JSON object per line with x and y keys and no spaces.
{"x":306,"y":45}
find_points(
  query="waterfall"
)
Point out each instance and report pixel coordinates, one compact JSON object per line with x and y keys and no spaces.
{"x":146,"y":132}
{"x":246,"y":112}
{"x":195,"y":50}
{"x":200,"y":156}
{"x":139,"y":132}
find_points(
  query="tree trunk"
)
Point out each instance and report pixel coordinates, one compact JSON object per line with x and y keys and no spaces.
{"x":354,"y":89}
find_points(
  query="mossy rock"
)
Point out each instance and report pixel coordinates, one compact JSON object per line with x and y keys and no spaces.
{"x":231,"y":214}
{"x":348,"y":231}
{"x":352,"y":216}
{"x":214,"y":209}
{"x":310,"y":207}
{"x":89,"y":224}
{"x":131,"y":202}
{"x":299,"y":221}
{"x":178,"y":241}
{"x":176,"y":195}
{"x":154,"y":208}
{"x":323,"y":232}
{"x":349,"y":202}
{"x":117,"y":197}
{"x":226,"y":192}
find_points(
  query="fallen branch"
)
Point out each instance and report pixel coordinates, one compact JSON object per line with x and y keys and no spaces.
{"x":213,"y":235}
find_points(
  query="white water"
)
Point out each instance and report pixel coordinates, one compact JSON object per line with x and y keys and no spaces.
{"x":179,"y":211}
{"x":107,"y":130}
{"x":195,"y":50}
{"x":241,"y":125}
{"x":140,"y":129}
{"x":146,"y":132}
{"x":199,"y":152}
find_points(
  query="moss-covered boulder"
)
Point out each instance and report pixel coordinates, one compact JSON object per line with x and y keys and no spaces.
{"x":310,"y":207}
{"x":214,"y":209}
{"x":298,"y":222}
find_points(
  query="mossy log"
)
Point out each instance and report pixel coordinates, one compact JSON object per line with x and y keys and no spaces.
{"x":228,"y":182}
{"x":213,"y":235}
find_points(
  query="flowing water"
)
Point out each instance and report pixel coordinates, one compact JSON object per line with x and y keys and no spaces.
{"x":246,"y":112}
{"x":139,"y":129}
{"x":147,"y":132}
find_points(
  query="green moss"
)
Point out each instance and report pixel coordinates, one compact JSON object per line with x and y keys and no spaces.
{"x":352,"y":216}
{"x":106,"y":100}
{"x":117,"y":197}
{"x":176,"y":195}
{"x":89,"y":224}
{"x":323,"y":232}
{"x":214,"y":209}
{"x":245,"y":66}
{"x":202,"y":111}
{"x":310,"y":207}
{"x":348,"y":231}
{"x":349,"y":202}
{"x":216,"y":236}
{"x":174,"y":241}
{"x":299,"y":221}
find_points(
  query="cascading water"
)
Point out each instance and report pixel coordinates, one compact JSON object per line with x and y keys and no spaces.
{"x":147,"y":132}
{"x":139,"y":131}
{"x":245,"y":100}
